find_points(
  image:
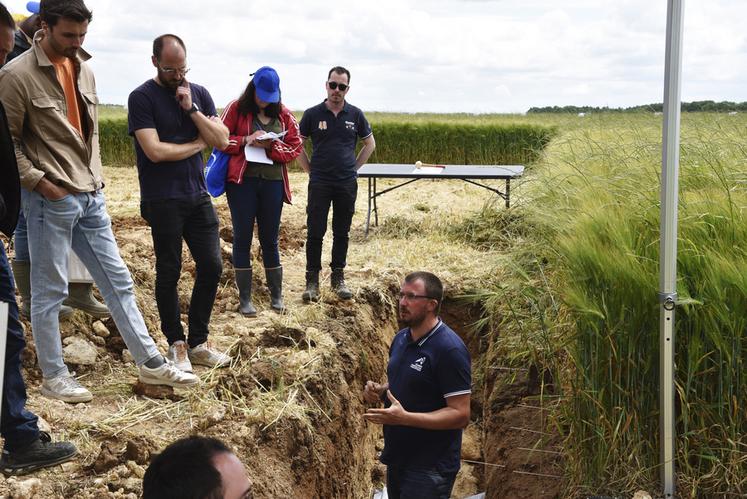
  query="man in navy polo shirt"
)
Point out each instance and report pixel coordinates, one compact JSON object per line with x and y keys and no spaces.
{"x":334,"y":127}
{"x":173,"y":120}
{"x":426,"y":398}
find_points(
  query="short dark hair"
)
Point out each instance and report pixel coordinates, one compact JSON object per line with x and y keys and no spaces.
{"x":52,"y":11}
{"x":247,"y":104}
{"x":6,"y":19}
{"x":340,"y":71}
{"x":185,"y":470}
{"x":159,"y":42}
{"x":433,"y":287}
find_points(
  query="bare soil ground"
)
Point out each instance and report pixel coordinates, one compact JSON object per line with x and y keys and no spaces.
{"x":290,"y":405}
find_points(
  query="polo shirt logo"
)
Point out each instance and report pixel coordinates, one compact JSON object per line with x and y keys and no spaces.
{"x":350,"y":125}
{"x":322,"y":125}
{"x":418,"y":364}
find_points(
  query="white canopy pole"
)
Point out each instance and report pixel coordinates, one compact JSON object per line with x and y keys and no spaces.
{"x":668,"y":247}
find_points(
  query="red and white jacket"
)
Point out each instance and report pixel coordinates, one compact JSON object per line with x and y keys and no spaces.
{"x":283,"y":150}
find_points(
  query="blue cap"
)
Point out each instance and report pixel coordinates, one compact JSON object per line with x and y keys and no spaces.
{"x":32,"y":7}
{"x":267,"y":84}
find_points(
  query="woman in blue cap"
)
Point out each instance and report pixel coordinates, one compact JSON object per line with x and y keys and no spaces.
{"x":257,"y":180}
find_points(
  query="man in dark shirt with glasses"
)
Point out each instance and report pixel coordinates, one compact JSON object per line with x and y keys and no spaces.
{"x":173,"y":121}
{"x":426,"y":397}
{"x":334,"y":127}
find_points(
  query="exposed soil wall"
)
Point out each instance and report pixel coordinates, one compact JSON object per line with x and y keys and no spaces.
{"x":511,"y":450}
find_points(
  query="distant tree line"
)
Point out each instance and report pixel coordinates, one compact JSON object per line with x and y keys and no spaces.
{"x":688,"y":107}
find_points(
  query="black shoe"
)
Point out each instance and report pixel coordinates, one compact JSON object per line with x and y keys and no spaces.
{"x":311,"y":293}
{"x":339,"y":286}
{"x":40,"y":453}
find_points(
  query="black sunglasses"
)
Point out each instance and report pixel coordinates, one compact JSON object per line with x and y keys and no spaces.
{"x":334,"y":85}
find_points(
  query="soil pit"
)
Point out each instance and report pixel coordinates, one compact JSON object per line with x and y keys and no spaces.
{"x":290,"y":405}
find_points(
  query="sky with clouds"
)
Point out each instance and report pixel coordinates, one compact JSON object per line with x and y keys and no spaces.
{"x":428,"y":55}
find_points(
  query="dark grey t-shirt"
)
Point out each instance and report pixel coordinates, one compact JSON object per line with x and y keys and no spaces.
{"x":153,"y":106}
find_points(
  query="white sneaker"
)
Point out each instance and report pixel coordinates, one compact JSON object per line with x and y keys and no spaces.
{"x":65,"y":388}
{"x":204,"y":355}
{"x":178,"y":356}
{"x":167,"y":374}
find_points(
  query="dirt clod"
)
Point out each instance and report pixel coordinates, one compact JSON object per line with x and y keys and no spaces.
{"x":139,"y":450}
{"x":108,"y":457}
{"x":155,"y":391}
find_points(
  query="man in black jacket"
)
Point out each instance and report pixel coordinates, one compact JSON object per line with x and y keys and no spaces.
{"x":26,"y":448}
{"x":25,"y":32}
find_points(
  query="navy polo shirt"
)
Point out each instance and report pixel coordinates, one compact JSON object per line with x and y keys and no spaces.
{"x":421,"y":376}
{"x":153,"y":106}
{"x":333,"y":140}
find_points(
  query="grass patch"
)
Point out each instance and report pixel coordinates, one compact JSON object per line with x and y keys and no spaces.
{"x":493,"y":227}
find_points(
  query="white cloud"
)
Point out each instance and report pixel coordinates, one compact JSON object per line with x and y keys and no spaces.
{"x":421,"y":55}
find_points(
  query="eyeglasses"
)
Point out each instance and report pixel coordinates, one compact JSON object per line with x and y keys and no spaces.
{"x":334,"y":86}
{"x":413,"y":296}
{"x":171,"y":71}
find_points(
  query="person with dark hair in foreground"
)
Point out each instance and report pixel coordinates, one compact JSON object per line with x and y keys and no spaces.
{"x":26,"y":448}
{"x":426,"y":398}
{"x":334,"y":127}
{"x":255,"y":189}
{"x":196,"y":468}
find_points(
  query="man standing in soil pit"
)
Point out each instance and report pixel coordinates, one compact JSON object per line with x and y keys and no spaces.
{"x":427,"y":396}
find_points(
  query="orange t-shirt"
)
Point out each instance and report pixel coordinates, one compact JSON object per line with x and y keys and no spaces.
{"x":65,"y":70}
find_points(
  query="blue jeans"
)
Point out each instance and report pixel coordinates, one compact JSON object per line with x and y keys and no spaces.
{"x":21,"y":247}
{"x":259,"y":199}
{"x":17,"y":425}
{"x":413,"y":483}
{"x":78,"y":221}
{"x":194,"y":221}
{"x":341,"y":196}
{"x":21,"y":241}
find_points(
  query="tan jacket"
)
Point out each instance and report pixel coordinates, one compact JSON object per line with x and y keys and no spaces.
{"x":45,"y":142}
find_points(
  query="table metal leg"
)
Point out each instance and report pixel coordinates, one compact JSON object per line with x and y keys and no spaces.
{"x":376,"y":206}
{"x":368,"y":215}
{"x":508,"y":192}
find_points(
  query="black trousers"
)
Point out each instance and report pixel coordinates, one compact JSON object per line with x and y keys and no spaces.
{"x":341,"y":195}
{"x":194,"y":221}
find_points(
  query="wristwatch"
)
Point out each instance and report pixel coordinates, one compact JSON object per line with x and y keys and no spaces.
{"x":193,"y":109}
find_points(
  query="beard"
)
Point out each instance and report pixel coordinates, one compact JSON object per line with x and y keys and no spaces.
{"x":411,"y":320}
{"x":169,"y":82}
{"x":69,"y":52}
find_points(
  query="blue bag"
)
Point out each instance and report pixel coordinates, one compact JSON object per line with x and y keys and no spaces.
{"x":216,"y":171}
